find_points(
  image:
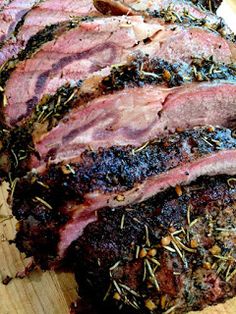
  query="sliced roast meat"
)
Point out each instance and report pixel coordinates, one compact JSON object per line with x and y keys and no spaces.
{"x":11,"y":14}
{"x":132,"y":6}
{"x":51,"y":12}
{"x":170,"y":252}
{"x":180,"y":11}
{"x":46,"y":13}
{"x":153,"y":75}
{"x":118,"y":176}
{"x":135,"y":115}
{"x":93,"y":45}
{"x":97,"y":44}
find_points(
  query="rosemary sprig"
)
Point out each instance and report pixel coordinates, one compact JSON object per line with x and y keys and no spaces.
{"x":151,"y":272}
{"x":122,"y":221}
{"x":39,"y":199}
{"x":148,"y":244}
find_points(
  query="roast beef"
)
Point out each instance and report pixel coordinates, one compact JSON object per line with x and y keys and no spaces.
{"x":134,"y":116}
{"x":41,"y":140}
{"x":180,"y":11}
{"x":96,"y":44}
{"x":169,"y":253}
{"x":119,"y":7}
{"x":104,"y":123}
{"x":64,"y":199}
{"x":11,"y":14}
{"x":93,"y":45}
{"x":45,"y":13}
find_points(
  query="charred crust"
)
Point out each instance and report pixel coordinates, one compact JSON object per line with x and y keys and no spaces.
{"x":120,"y":168}
{"x":142,"y":71}
{"x":170,"y":16}
{"x":211,"y":5}
{"x":40,"y":201}
{"x":139,"y":71}
{"x":104,"y":254}
{"x":16,"y":146}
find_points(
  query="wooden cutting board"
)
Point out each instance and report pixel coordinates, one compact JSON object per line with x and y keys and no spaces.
{"x":43,"y":292}
{"x":52,"y":292}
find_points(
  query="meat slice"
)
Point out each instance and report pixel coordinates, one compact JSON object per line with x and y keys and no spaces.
{"x":11,"y":14}
{"x":93,"y":45}
{"x":134,"y":116}
{"x":132,"y":6}
{"x":170,"y":252}
{"x":65,"y":198}
{"x":187,"y":11}
{"x":50,"y":128}
{"x":45,"y":13}
{"x":97,"y":44}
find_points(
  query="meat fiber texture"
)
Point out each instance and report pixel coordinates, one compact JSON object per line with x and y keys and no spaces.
{"x":65,"y":198}
{"x":45,"y":13}
{"x":11,"y":14}
{"x":102,"y":48}
{"x":134,"y":116}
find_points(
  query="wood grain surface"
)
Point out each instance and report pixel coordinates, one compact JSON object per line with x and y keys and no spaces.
{"x":42,"y":292}
{"x":51,"y":292}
